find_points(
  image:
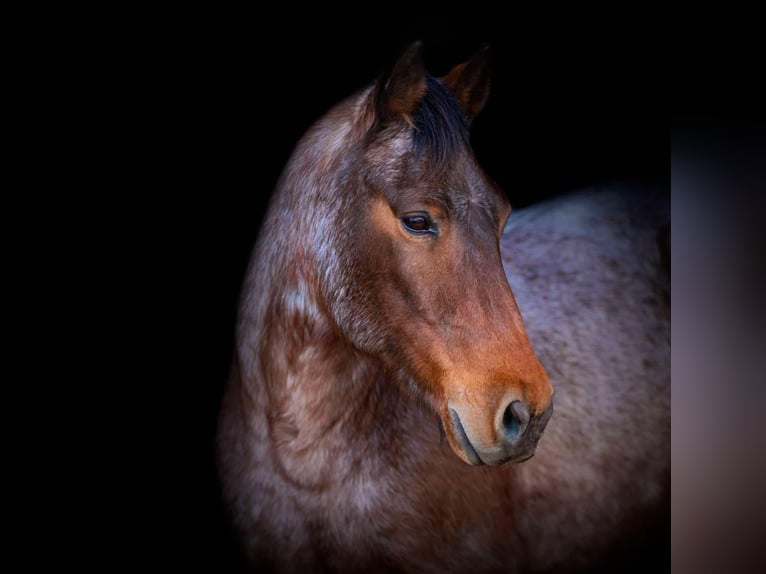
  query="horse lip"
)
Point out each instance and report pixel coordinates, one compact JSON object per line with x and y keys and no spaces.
{"x":516,"y":459}
{"x":462,"y":440}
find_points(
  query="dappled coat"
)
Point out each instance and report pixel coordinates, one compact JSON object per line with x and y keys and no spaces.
{"x":386,"y":397}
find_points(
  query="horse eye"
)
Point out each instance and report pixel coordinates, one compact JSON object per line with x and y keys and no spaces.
{"x":417,"y":223}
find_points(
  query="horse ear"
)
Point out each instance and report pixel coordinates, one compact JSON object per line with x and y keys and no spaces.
{"x":470,"y":82}
{"x":400,"y":90}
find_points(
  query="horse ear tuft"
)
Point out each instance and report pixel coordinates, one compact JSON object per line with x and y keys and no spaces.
{"x":400,"y":90}
{"x":469,"y":82}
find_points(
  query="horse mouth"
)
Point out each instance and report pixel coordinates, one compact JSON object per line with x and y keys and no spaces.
{"x":466,"y":449}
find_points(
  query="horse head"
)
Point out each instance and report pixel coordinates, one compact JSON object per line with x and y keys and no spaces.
{"x":421,"y":285}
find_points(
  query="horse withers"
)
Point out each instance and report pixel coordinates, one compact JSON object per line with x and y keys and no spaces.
{"x":376,"y":321}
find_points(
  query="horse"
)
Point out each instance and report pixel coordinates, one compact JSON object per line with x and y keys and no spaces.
{"x":388,"y":408}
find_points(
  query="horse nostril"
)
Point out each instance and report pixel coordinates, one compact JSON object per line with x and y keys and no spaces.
{"x":515,"y":420}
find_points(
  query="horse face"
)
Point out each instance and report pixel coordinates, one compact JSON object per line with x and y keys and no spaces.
{"x":444,"y":319}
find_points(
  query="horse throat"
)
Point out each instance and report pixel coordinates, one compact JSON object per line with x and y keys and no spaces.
{"x":325,"y":399}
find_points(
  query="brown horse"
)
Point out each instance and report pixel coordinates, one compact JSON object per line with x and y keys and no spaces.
{"x":376,"y":320}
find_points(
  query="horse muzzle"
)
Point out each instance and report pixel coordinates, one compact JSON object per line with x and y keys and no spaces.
{"x":511,"y":436}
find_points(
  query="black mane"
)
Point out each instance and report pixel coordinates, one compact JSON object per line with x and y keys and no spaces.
{"x":440,"y":126}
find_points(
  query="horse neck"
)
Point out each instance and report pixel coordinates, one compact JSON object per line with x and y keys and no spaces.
{"x":324,"y":400}
{"x":284,"y":315}
{"x":320,"y":401}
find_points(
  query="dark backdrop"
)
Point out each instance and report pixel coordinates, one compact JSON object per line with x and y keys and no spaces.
{"x":227,"y":96}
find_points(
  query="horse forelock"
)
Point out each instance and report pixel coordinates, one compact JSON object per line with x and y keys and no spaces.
{"x":431,"y":137}
{"x":440,"y":128}
{"x":327,"y":158}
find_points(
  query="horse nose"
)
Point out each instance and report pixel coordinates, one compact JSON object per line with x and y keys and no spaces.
{"x":511,"y":434}
{"x":514,"y":422}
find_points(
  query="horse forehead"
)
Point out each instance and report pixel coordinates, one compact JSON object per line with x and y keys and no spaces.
{"x":466,"y":184}
{"x":474,"y":180}
{"x":405,"y":171}
{"x":461,"y":177}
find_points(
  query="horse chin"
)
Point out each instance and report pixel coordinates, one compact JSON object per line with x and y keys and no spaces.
{"x":468,"y":454}
{"x":516,"y":459}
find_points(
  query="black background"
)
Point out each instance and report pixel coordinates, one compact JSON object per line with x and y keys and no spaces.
{"x":222,"y":100}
